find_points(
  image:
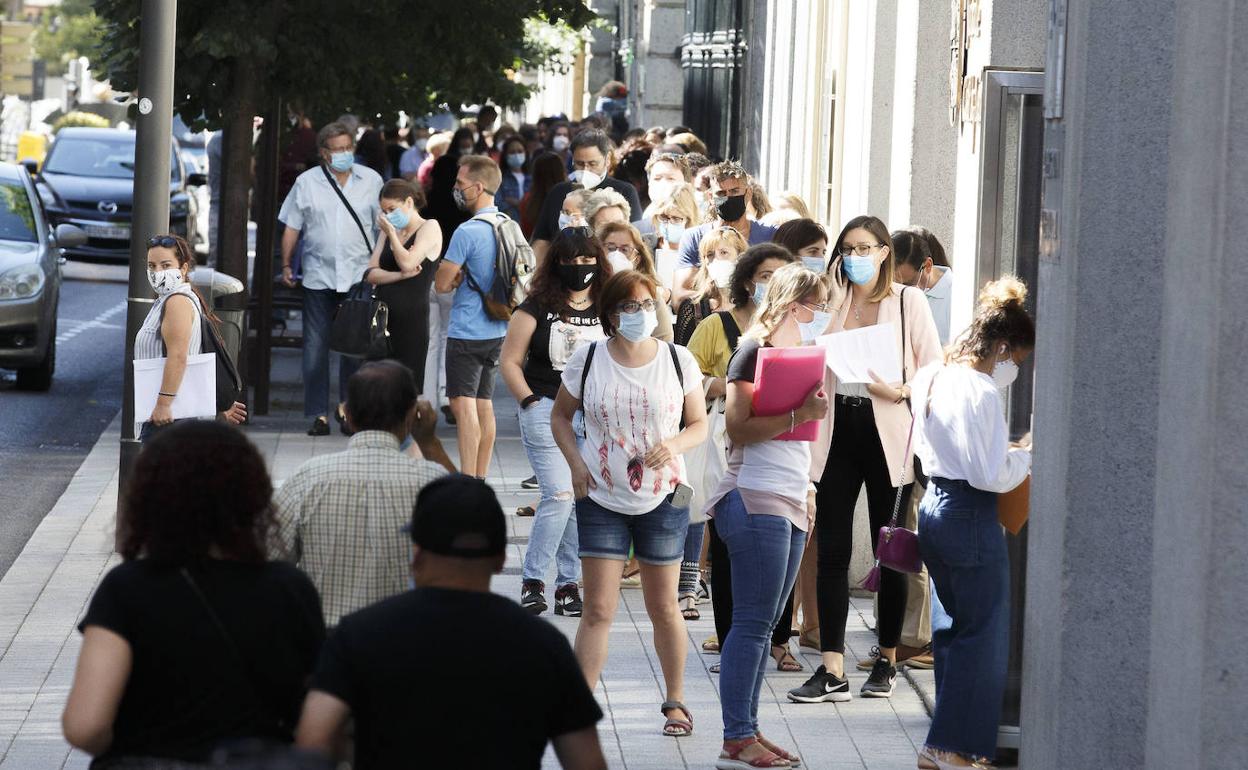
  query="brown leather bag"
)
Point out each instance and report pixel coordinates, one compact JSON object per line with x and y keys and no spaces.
{"x":1013,"y":506}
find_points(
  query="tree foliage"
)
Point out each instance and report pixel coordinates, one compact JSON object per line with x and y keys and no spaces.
{"x":67,"y":32}
{"x":331,"y":56}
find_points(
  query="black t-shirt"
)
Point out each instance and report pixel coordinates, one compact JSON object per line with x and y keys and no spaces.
{"x":187,"y":691}
{"x":469,"y":672}
{"x":554,"y":341}
{"x":744,"y":361}
{"x":547,"y":226}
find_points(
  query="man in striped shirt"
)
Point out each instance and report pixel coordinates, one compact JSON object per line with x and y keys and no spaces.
{"x":341,"y":516}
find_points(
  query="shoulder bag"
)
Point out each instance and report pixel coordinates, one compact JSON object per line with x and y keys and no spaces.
{"x":360,"y":328}
{"x":229,"y":384}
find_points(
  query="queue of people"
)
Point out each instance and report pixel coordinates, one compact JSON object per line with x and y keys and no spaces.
{"x":633,"y":361}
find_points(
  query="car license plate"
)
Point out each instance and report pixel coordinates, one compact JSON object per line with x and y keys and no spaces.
{"x":114,"y":232}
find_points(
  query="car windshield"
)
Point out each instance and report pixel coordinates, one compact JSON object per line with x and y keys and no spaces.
{"x":98,"y":157}
{"x":17,"y":218}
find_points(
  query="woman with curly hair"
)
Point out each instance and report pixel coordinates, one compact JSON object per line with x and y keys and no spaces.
{"x":559,"y":316}
{"x":195,"y":641}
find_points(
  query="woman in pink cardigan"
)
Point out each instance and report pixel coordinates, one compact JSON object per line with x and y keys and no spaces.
{"x":862,"y":441}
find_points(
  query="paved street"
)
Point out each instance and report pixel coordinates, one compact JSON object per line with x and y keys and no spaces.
{"x":44,"y":437}
{"x":46,"y":591}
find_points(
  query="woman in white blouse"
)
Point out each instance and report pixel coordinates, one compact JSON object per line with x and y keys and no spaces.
{"x":628,"y":475}
{"x":960,"y":435}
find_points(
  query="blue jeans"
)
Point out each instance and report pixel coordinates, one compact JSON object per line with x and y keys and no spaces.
{"x":554,"y":527}
{"x":765,"y":551}
{"x":964,"y":549}
{"x":656,"y":537}
{"x":318,"y":315}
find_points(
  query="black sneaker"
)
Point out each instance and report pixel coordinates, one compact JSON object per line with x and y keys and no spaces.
{"x":529,"y":483}
{"x":448,"y":415}
{"x":568,"y":601}
{"x":880,"y":683}
{"x":532,"y":597}
{"x":821,"y":687}
{"x":320,"y":427}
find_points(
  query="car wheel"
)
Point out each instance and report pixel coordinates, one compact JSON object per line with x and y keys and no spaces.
{"x":39,"y":376}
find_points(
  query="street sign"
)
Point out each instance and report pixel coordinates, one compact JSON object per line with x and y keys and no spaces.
{"x":17,"y":58}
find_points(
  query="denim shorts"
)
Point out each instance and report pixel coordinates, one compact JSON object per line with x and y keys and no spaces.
{"x":657,"y":537}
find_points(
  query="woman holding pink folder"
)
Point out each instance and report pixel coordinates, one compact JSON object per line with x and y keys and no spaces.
{"x":863,"y":441}
{"x":764,"y":506}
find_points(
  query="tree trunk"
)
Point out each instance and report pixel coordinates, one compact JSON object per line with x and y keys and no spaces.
{"x":236,"y":160}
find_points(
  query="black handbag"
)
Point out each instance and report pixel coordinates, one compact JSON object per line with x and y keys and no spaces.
{"x":361,"y":325}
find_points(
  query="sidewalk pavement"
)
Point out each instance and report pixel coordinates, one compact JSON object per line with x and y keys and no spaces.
{"x":47,"y":589}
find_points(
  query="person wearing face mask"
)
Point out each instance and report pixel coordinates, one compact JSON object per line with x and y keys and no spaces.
{"x":960,"y":434}
{"x":720,"y":250}
{"x":402,"y":270}
{"x":560,"y":140}
{"x":442,"y":181}
{"x":516,"y":180}
{"x":557,"y":318}
{"x":807,"y":240}
{"x":330,"y":211}
{"x":592,"y":151}
{"x":171,"y":329}
{"x":546,"y":172}
{"x":414,"y":156}
{"x":572,"y":213}
{"x":668,"y":223}
{"x":863,"y":440}
{"x":729,"y":187}
{"x":627,"y":251}
{"x":921,"y":263}
{"x":763,"y":508}
{"x":628,"y":475}
{"x":604,"y":206}
{"x":665,"y":171}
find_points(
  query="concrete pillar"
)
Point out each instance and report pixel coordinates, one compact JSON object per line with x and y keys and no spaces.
{"x":1138,"y":556}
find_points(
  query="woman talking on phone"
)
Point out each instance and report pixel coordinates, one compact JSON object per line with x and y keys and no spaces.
{"x":961,"y":436}
{"x":628,"y":475}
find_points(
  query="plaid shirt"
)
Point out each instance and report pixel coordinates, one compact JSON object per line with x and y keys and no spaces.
{"x":340,"y":519}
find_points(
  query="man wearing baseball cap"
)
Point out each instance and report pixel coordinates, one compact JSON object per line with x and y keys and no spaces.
{"x":424,"y":674}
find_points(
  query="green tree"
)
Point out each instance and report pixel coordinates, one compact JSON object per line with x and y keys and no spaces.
{"x":234,"y":57}
{"x":67,"y":32}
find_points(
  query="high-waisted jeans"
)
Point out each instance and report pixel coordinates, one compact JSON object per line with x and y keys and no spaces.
{"x":964,"y":549}
{"x":765,"y":551}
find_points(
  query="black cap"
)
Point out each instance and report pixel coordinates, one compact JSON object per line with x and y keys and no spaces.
{"x":459,"y":515}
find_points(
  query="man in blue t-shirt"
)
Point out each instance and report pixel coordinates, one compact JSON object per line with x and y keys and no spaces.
{"x":474,"y":338}
{"x":730,"y":186}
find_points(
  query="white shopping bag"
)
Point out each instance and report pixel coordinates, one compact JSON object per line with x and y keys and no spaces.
{"x":197,"y":395}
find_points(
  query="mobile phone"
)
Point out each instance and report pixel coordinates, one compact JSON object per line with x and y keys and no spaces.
{"x":682,"y":496}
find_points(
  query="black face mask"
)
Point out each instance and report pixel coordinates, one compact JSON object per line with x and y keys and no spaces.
{"x":731,"y":208}
{"x":577,"y":277}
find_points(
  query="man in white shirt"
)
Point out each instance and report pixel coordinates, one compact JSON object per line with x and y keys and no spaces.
{"x":338,"y":238}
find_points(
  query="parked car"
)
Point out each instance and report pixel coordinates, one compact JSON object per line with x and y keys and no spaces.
{"x":30,"y":279}
{"x":87,"y":180}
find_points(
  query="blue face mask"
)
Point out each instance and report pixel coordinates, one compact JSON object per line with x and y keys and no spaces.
{"x":671,"y":232}
{"x":811,"y":330}
{"x":760,"y":291}
{"x":637,"y":326}
{"x":515,"y":160}
{"x":859,"y":270}
{"x":814,"y":263}
{"x":342,"y":161}
{"x":399,"y":218}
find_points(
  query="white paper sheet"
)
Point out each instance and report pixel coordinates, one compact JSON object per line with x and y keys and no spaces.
{"x":854,"y":354}
{"x":197,"y":395}
{"x":665,"y":265}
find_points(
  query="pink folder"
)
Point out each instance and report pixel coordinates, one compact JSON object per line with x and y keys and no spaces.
{"x":783,"y":377}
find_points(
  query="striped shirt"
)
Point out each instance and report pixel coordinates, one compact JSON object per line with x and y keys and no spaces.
{"x":340,"y":519}
{"x":148,"y":342}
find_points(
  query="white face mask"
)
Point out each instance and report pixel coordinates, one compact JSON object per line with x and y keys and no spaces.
{"x":560,"y":143}
{"x":565,"y":220}
{"x":587,"y":179}
{"x":720,"y":271}
{"x":618,"y":261}
{"x":165,"y":281}
{"x":660,"y":190}
{"x":1004,"y":372}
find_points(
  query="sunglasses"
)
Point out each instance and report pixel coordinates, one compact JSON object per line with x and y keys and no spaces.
{"x":164,"y":241}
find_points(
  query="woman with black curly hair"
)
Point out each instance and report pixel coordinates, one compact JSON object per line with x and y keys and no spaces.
{"x":195,"y":641}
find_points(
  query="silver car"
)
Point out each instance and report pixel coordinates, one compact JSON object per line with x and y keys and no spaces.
{"x":30,"y":279}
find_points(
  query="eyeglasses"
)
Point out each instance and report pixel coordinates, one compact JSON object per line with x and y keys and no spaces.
{"x":820,"y":308}
{"x":163,"y":241}
{"x":861,"y":250}
{"x":587,"y":165}
{"x":628,"y":251}
{"x":632,"y":306}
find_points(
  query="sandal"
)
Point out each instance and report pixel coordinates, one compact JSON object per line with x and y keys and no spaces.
{"x":713,"y":668}
{"x":632,"y":575}
{"x":673,"y":727}
{"x":786,"y":662}
{"x":711,"y":644}
{"x":689,"y":607}
{"x":794,"y":760}
{"x":730,"y":757}
{"x":526,"y":510}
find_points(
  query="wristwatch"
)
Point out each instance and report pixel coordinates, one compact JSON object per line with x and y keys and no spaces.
{"x":532,"y":398}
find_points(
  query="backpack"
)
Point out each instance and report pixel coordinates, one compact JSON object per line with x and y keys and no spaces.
{"x":514,"y":265}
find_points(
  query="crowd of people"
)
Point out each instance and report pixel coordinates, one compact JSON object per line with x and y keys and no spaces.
{"x":658,"y":280}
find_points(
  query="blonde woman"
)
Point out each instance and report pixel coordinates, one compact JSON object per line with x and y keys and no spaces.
{"x":719,"y":251}
{"x":627,"y":251}
{"x":607,"y":205}
{"x":863,"y":441}
{"x":786,"y":206}
{"x":670,"y":219}
{"x":763,"y":508}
